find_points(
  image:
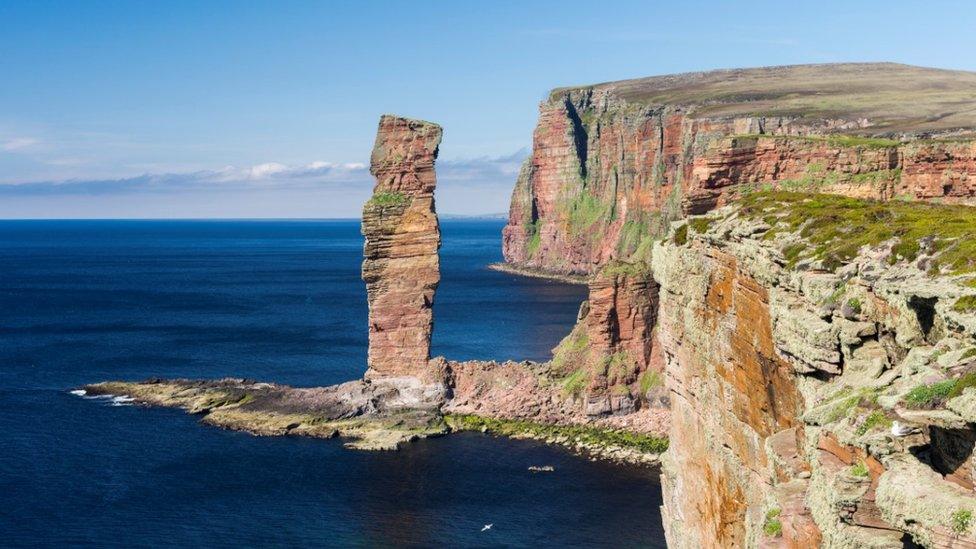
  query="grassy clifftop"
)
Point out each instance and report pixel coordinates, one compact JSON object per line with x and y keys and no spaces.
{"x":895,"y":98}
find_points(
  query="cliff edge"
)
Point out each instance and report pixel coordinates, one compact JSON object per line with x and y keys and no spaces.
{"x":613,"y":164}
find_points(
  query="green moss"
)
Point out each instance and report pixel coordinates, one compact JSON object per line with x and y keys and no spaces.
{"x":854,"y":304}
{"x":969,"y":354}
{"x":772,"y":526}
{"x":681,"y":235}
{"x":876,"y":418}
{"x":965,"y":304}
{"x":930,"y":395}
{"x":971,"y":283}
{"x":960,"y":520}
{"x":699,"y":224}
{"x":860,"y":469}
{"x":584,"y":434}
{"x":966,"y":381}
{"x":844,"y":401}
{"x":383,"y":199}
{"x":836,"y":227}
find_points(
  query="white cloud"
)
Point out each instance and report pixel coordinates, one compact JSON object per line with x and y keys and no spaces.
{"x":18,"y":143}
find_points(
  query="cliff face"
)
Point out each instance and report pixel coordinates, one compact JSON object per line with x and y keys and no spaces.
{"x":401,"y":266}
{"x":799,"y":331}
{"x":611,"y":164}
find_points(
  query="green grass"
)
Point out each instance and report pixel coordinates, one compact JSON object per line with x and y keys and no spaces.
{"x":649,"y":380}
{"x":535,"y":238}
{"x":965,"y":304}
{"x":576,"y":382}
{"x":773,"y":526}
{"x":835,"y":140}
{"x":960,"y":520}
{"x":876,"y":418}
{"x":570,"y":352}
{"x":860,"y":470}
{"x":585,"y":434}
{"x":626,"y":268}
{"x":584,"y":211}
{"x":836,"y":227}
{"x":969,"y":354}
{"x":930,"y":395}
{"x":388,"y":199}
{"x":700,"y":224}
{"x":964,"y":382}
{"x":854,"y":304}
{"x":681,"y":235}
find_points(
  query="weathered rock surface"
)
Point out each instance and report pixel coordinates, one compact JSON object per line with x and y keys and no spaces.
{"x":611,"y":359}
{"x":401,"y":265}
{"x":612,"y":163}
{"x":786,"y":373}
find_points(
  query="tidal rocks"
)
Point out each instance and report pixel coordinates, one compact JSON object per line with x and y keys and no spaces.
{"x":613,"y":163}
{"x":401,"y":266}
{"x":797,"y":329}
{"x":374,"y":416}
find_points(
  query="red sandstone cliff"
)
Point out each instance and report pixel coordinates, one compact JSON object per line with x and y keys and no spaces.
{"x":611,"y":164}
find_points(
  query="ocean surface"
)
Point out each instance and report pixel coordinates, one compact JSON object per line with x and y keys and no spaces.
{"x":85,"y":301}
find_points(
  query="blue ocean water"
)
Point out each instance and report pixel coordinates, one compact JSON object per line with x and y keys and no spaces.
{"x":83,"y":301}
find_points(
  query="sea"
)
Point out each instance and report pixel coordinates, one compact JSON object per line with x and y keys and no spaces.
{"x":282,"y":301}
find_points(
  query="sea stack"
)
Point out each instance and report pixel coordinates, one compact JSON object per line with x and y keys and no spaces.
{"x":400,"y":264}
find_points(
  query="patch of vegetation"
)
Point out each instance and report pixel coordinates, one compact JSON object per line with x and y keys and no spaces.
{"x":591,"y":436}
{"x":620,"y":368}
{"x":836,"y":227}
{"x":854,"y":304}
{"x":584,"y":211}
{"x":966,"y":381}
{"x":535,"y":238}
{"x":576,"y":382}
{"x":860,"y":469}
{"x":626,"y":268}
{"x":844,"y":401}
{"x":836,"y":140}
{"x":649,"y":380}
{"x":383,"y":199}
{"x":965,"y":304}
{"x":571,"y":351}
{"x":876,"y":418}
{"x":969,"y":353}
{"x":681,"y":235}
{"x":773,"y":526}
{"x":960,"y":520}
{"x":930,"y":395}
{"x":971,"y":283}
{"x":700,"y":224}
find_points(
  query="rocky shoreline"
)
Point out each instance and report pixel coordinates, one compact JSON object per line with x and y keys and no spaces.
{"x":538,"y":273}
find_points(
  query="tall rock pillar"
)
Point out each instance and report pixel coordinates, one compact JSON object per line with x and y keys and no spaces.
{"x":401,"y":266}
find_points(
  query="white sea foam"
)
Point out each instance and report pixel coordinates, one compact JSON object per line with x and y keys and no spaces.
{"x":78,"y":392}
{"x":123,"y":400}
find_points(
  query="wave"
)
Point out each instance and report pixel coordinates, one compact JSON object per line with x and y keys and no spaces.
{"x":113,"y":400}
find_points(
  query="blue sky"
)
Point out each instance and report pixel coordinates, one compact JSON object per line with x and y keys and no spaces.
{"x":268,"y":109}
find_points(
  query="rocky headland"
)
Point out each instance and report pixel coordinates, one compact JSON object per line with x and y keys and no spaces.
{"x":781,"y":265}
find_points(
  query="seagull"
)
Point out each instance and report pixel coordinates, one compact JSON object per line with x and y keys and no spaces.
{"x":899,"y":430}
{"x":487,"y":527}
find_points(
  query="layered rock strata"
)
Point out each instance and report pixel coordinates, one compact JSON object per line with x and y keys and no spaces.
{"x":821,"y":361}
{"x":611,"y":360}
{"x":401,"y":264}
{"x":613,"y":164}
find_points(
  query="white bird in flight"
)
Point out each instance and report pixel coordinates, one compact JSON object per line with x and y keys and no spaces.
{"x":487,"y":527}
